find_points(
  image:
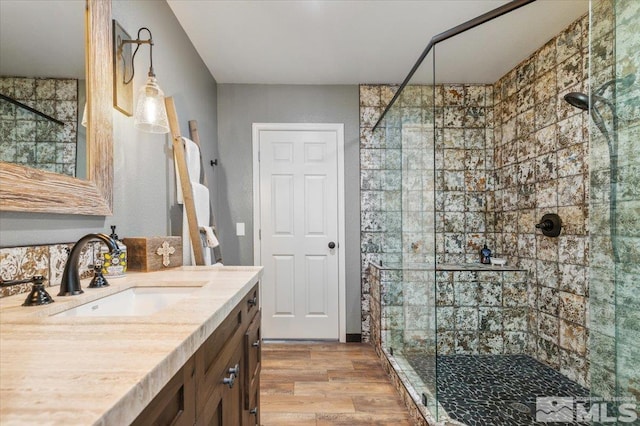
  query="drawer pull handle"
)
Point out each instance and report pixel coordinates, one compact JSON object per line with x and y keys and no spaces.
{"x":253,"y":301}
{"x":256,"y":344}
{"x":254,"y":411}
{"x":229,"y":380}
{"x":235,"y":370}
{"x":233,"y":373}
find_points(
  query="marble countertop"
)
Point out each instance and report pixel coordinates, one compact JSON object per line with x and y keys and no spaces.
{"x":105,"y":370}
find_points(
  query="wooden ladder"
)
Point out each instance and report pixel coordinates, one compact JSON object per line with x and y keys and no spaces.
{"x":185,"y":183}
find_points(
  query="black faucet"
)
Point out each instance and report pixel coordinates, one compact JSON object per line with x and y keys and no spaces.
{"x":70,"y":284}
{"x":37,"y":296}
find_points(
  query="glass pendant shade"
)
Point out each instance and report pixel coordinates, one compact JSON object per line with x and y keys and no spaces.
{"x":85,"y":117}
{"x":151,"y":114}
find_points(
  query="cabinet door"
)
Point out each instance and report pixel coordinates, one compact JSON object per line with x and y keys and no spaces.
{"x":175,"y":403}
{"x":252,"y":359}
{"x":253,"y":353}
{"x":224,"y":405}
{"x":252,"y":415}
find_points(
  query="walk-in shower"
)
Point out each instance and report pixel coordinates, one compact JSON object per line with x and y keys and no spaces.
{"x":470,"y":158}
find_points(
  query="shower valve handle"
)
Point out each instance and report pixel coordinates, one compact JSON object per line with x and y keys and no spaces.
{"x":545,"y":225}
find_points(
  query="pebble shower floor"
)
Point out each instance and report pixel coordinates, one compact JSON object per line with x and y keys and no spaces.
{"x":496,"y":390}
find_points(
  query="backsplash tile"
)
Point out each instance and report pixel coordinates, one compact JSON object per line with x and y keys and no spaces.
{"x":20,"y":263}
{"x":17,"y":263}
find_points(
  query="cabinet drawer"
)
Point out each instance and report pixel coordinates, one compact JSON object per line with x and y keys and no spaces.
{"x":253,"y":356}
{"x":175,"y":404}
{"x":252,"y":302}
{"x":214,"y":355}
{"x":223,"y":407}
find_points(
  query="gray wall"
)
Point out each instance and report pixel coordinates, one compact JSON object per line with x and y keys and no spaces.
{"x":144,"y":186}
{"x":240,"y":105}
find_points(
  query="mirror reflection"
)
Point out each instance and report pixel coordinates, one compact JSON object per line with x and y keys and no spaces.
{"x":43,"y":87}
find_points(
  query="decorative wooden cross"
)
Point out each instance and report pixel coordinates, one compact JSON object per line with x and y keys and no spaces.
{"x":165,"y":250}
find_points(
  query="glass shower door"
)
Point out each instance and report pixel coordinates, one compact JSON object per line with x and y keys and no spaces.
{"x":615,"y":207}
{"x":627,"y":273}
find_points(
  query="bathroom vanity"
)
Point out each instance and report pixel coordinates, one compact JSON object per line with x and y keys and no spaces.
{"x":195,"y":360}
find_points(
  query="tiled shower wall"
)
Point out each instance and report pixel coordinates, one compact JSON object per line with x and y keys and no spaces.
{"x":541,"y":166}
{"x":34,"y":141}
{"x":398,"y":188}
{"x":380,"y":192}
{"x":505,"y":155}
{"x":464,"y":177}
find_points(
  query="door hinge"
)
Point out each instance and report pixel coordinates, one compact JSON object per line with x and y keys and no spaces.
{"x":258,"y":156}
{"x":259,"y":234}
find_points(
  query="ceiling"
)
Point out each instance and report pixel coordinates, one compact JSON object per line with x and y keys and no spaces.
{"x":305,"y":41}
{"x":31,"y":43}
{"x":363,"y":41}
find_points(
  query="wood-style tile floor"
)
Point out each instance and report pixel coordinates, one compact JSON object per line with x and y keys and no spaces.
{"x":326,"y":384}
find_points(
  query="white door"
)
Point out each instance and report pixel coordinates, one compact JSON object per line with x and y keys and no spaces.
{"x":298,"y":231}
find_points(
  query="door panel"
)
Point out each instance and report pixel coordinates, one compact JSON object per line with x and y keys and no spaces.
{"x":316,"y":269}
{"x":298,"y":219}
{"x":283,"y":285}
{"x":315,"y":200}
{"x":282,"y":204}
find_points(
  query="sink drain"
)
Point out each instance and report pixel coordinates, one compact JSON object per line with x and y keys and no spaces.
{"x":518,"y":406}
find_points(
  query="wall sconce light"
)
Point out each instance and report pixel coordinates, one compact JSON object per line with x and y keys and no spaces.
{"x":150,"y":113}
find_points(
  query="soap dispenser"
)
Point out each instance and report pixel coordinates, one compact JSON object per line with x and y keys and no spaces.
{"x":114,"y":265}
{"x":485,"y":255}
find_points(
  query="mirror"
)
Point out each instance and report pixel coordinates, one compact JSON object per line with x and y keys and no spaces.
{"x":32,"y":190}
{"x":42,"y":87}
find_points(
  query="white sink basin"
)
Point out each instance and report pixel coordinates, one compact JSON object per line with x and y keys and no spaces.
{"x":135,"y":301}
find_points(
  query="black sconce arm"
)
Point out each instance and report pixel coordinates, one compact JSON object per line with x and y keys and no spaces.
{"x":138,"y":43}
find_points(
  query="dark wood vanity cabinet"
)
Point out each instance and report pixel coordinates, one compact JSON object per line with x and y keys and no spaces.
{"x":175,"y":404}
{"x":220,"y":384}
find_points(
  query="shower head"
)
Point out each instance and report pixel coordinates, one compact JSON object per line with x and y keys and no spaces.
{"x":578,"y":100}
{"x":581,"y":100}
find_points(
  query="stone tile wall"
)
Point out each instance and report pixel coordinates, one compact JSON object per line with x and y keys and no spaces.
{"x":31,"y":140}
{"x":373,"y":277}
{"x":482,"y":312}
{"x":401,"y":318}
{"x":541,"y":166}
{"x":380,"y":191}
{"x":401,"y":193}
{"x":464,"y":179}
{"x":476,"y":312}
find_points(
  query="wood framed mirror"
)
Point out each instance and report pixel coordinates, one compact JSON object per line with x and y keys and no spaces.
{"x":27,"y":189}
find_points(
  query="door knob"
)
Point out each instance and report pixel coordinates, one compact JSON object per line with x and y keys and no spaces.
{"x":332,"y":245}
